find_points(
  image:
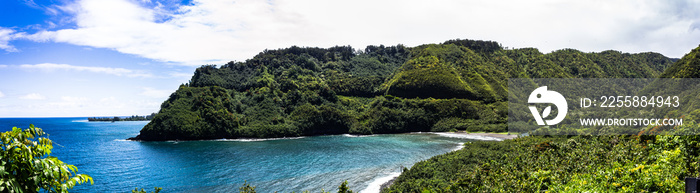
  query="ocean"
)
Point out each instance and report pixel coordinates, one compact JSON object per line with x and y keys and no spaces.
{"x":100,"y":150}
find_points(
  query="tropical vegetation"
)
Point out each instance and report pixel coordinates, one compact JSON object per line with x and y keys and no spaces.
{"x":456,"y":85}
{"x":573,"y":159}
{"x":28,"y":167}
{"x":381,"y":89}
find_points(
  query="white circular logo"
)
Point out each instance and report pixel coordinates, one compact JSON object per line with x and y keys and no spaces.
{"x":542,"y":95}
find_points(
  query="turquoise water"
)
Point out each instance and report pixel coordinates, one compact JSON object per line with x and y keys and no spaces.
{"x":307,"y":163}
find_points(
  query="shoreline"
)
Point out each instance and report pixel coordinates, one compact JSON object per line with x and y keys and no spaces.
{"x":387,"y":184}
{"x":390,"y":179}
{"x":493,"y":135}
{"x":381,"y":183}
{"x":478,"y":136}
{"x":460,"y":134}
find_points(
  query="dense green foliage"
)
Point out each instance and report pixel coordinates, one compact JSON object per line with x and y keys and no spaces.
{"x":460,"y":84}
{"x":448,"y":71}
{"x":315,"y":91}
{"x":156,"y":190}
{"x":686,"y":67}
{"x":28,"y":167}
{"x":581,"y":163}
{"x":559,"y":164}
{"x":610,"y":64}
{"x":343,"y":188}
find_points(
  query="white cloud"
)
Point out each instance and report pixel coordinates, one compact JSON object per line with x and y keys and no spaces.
{"x":155,"y":93}
{"x":2,"y":94}
{"x":7,"y":35}
{"x":73,"y":99}
{"x":108,"y":99}
{"x":105,"y":70}
{"x":31,"y":3}
{"x":217,"y":31}
{"x":33,"y":96}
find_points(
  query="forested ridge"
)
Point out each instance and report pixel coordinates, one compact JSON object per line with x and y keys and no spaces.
{"x":574,"y":163}
{"x":458,"y":84}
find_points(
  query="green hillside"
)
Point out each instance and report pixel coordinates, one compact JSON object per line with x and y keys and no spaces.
{"x":459,"y":84}
{"x":686,"y":67}
{"x":585,"y":163}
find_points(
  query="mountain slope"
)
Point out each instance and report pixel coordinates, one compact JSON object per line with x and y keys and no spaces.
{"x":606,"y":163}
{"x":459,"y":84}
{"x":686,"y":67}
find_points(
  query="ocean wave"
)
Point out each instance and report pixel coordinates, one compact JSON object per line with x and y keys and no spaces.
{"x":376,"y":185}
{"x":351,"y":135}
{"x":79,"y":121}
{"x":459,"y":146}
{"x":256,"y":139}
{"x":468,"y":136}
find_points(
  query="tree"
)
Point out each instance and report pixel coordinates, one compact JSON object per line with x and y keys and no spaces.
{"x":156,"y":190}
{"x":343,"y":188}
{"x":246,"y":188}
{"x":27,"y":166}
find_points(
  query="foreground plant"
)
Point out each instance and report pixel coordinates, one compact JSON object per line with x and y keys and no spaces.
{"x":28,"y":167}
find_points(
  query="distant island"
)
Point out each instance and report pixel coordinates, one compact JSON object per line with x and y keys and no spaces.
{"x":132,"y":118}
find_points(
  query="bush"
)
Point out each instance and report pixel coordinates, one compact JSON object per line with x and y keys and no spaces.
{"x":322,"y":120}
{"x":27,"y":166}
{"x":452,"y":123}
{"x":559,"y":164}
{"x":156,"y":190}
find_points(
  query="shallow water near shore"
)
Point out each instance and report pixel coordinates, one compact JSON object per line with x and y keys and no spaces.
{"x":100,"y":150}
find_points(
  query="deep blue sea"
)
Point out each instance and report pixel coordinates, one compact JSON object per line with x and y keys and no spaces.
{"x":100,"y":150}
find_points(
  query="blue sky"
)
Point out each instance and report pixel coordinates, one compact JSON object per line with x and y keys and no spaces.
{"x":63,"y":58}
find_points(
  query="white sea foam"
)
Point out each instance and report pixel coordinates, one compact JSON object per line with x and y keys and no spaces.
{"x":375,"y":185}
{"x":459,"y":146}
{"x":351,"y":135}
{"x":79,"y":120}
{"x":468,"y":136}
{"x":262,"y":139}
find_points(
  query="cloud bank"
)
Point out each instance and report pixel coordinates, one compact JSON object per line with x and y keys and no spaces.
{"x":33,"y":96}
{"x":217,"y":31}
